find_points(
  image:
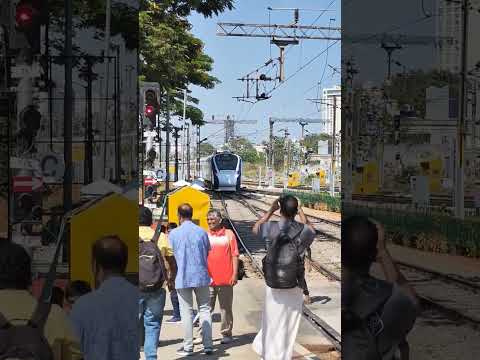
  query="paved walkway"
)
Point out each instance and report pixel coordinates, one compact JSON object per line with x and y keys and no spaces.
{"x":248,"y":302}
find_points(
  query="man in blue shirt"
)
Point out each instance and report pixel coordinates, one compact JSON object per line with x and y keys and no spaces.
{"x":191,"y":246}
{"x":106,"y":320}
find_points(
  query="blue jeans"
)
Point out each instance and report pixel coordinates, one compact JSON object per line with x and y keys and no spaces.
{"x":151,"y":305}
{"x":185,"y":297}
{"x":175,"y":304}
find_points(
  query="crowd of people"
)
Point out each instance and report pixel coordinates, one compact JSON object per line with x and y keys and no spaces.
{"x":188,"y":262}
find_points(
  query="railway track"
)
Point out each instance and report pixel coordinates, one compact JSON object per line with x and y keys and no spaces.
{"x":332,"y":233}
{"x":249,"y":245}
{"x":453,"y":296}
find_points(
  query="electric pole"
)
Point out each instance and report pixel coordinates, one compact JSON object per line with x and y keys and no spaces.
{"x":184,"y":131}
{"x":167,"y":144}
{"x":68,"y":107}
{"x":159,"y":140}
{"x":334,"y":135}
{"x":198,"y":152}
{"x":176,"y":136}
{"x":347,"y":134}
{"x":188,"y":152}
{"x":285,"y":158}
{"x":390,"y":49}
{"x":271,"y":170}
{"x":88,"y":166}
{"x":459,"y":184}
{"x":302,"y":140}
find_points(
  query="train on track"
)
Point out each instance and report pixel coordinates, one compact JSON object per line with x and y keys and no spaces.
{"x":222,"y":171}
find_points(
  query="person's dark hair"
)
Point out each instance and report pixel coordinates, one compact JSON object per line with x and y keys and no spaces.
{"x":288,"y":206}
{"x":111,"y":254}
{"x":58,"y":296}
{"x":163,"y":228}
{"x":171,"y":226}
{"x":145,"y":216}
{"x":185,"y":211}
{"x":76,"y":289}
{"x":15,"y":267}
{"x":359,"y":243}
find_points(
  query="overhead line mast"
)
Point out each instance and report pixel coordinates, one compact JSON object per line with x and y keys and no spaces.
{"x":281,"y":35}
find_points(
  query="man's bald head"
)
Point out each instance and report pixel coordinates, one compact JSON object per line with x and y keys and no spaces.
{"x":110,"y":254}
{"x":185,"y":212}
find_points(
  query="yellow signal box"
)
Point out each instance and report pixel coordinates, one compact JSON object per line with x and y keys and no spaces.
{"x":322,"y":175}
{"x":435,"y":176}
{"x":367,"y":179}
{"x":113,"y":214}
{"x":199,"y":201}
{"x":294,"y":179}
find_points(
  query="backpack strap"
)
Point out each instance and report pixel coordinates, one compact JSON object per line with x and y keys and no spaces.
{"x":42,"y":310}
{"x":4,"y":323}
{"x":40,"y":315}
{"x":158,"y":231}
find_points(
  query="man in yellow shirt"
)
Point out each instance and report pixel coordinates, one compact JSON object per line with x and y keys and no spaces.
{"x":17,"y":304}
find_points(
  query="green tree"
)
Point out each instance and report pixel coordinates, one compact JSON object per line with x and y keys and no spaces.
{"x":206,"y":149}
{"x":278,"y":152}
{"x":171,"y":55}
{"x":410,"y":88}
{"x":244,"y":148}
{"x":311,"y":141}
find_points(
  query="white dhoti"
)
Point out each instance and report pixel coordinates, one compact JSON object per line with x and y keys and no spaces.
{"x":282,"y":313}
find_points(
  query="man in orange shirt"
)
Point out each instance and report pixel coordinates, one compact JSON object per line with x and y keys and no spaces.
{"x":223,"y":269}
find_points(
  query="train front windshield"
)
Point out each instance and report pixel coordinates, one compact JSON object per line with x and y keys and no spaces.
{"x":226,"y":162}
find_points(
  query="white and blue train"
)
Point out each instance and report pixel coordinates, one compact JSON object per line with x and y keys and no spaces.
{"x":223,"y":171}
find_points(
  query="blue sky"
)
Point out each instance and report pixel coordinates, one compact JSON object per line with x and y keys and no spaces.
{"x":235,"y":57}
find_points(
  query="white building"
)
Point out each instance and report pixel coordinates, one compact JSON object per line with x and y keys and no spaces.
{"x":329,"y":112}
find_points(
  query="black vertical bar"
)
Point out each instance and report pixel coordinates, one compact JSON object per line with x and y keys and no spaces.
{"x":167,"y":144}
{"x":118,"y":152}
{"x":50,"y":100}
{"x":176,"y":153}
{"x":89,"y":131}
{"x":188,"y":152}
{"x":67,"y":148}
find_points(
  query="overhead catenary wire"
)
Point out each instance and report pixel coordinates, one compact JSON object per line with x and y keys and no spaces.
{"x":304,"y":66}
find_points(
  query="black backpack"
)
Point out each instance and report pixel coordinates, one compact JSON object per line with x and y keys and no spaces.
{"x":26,"y":342}
{"x":283,"y":267}
{"x":152,"y":272}
{"x":362,"y":307}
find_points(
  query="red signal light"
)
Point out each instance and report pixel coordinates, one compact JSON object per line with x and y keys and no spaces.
{"x":149,"y":110}
{"x":25,"y":15}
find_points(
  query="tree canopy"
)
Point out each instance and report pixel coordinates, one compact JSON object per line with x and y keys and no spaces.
{"x":206,"y":149}
{"x":171,"y":55}
{"x":311,"y":141}
{"x":245,"y":149}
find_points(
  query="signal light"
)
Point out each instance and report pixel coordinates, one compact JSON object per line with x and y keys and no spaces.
{"x":25,"y":15}
{"x":29,"y":15}
{"x":30,"y":119}
{"x":150,"y":97}
{"x":149,"y":110}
